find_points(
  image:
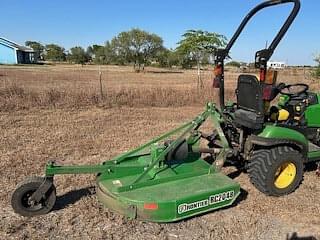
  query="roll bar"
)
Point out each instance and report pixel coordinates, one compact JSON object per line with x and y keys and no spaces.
{"x":262,"y":56}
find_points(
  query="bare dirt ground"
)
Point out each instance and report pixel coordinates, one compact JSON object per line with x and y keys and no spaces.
{"x":91,"y":134}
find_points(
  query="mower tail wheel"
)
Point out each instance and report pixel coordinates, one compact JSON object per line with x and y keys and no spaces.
{"x":277,"y":171}
{"x":21,"y":198}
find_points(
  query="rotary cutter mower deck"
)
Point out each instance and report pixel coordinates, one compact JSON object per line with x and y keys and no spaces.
{"x":157,"y":182}
{"x":174,"y":177}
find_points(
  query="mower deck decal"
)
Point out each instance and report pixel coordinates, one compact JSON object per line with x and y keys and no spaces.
{"x":213,"y":199}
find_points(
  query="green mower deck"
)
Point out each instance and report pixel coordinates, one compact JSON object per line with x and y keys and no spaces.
{"x":164,"y":180}
{"x":181,"y":190}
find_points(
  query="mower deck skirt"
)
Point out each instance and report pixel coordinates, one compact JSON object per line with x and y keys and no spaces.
{"x":170,"y":201}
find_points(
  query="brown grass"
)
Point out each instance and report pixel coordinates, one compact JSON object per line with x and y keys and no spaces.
{"x":76,"y":87}
{"x":58,"y":113}
{"x":14,"y":98}
{"x":58,"y":87}
{"x":88,"y":136}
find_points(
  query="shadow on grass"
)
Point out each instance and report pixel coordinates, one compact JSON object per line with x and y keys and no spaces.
{"x":235,"y":174}
{"x":72,"y":197}
{"x":311,"y":166}
{"x":295,"y":236}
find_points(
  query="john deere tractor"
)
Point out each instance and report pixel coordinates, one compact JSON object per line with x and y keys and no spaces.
{"x":174,"y":177}
{"x":274,"y":141}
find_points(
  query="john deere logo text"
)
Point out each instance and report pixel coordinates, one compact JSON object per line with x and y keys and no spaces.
{"x":213,"y":199}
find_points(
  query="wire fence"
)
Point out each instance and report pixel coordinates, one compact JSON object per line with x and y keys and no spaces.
{"x":80,"y":86}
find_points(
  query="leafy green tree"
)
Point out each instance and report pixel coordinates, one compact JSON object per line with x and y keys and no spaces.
{"x":100,"y":56}
{"x":174,"y":58}
{"x":38,"y":49}
{"x":162,"y":57}
{"x":103,"y":54}
{"x":55,"y":53}
{"x":316,"y":72}
{"x":136,"y":46}
{"x":167,"y":58}
{"x":78,"y":55}
{"x":93,"y":50}
{"x":233,"y":64}
{"x":198,"y":46}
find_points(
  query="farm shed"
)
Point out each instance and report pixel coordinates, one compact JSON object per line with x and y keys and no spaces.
{"x":13,"y":53}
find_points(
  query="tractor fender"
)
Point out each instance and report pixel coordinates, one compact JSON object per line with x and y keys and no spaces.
{"x":272,"y":142}
{"x":273,"y":136}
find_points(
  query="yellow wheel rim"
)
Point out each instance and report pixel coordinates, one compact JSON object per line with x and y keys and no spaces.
{"x":285,"y":175}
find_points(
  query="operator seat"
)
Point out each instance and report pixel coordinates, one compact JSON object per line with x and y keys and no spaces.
{"x":250,"y":104}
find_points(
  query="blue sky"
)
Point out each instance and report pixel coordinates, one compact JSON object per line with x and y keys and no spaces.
{"x":70,"y":23}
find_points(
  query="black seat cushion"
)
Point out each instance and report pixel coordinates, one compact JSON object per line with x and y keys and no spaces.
{"x":250,"y":104}
{"x":248,"y":119}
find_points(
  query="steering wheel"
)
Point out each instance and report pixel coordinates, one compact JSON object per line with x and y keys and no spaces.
{"x":294,"y":90}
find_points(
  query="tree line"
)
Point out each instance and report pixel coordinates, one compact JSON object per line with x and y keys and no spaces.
{"x":316,"y":72}
{"x":141,"y":48}
{"x":138,"y":48}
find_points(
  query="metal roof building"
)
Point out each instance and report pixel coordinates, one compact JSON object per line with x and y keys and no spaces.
{"x":13,"y":53}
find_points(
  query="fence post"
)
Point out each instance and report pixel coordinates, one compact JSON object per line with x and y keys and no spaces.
{"x":100,"y":83}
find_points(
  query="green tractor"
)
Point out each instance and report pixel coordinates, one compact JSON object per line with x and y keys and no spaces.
{"x":175,"y":176}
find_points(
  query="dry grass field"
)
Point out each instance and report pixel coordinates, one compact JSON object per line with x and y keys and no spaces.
{"x":77,"y":86}
{"x":57,"y":112}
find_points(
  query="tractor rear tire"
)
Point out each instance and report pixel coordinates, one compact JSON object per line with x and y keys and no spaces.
{"x":277,"y":171}
{"x":20,"y":200}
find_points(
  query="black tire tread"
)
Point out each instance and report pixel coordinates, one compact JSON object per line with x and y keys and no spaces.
{"x":261,"y":163}
{"x":16,"y":197}
{"x":30,"y":179}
